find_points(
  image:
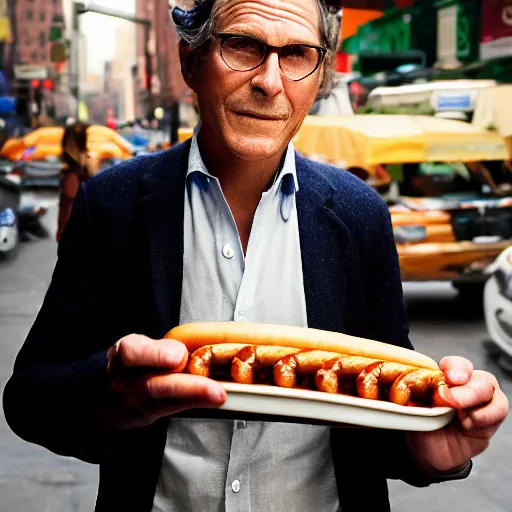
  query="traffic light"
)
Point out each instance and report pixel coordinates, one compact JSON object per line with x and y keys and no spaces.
{"x":58,"y":45}
{"x":56,"y":33}
{"x":59,"y":51}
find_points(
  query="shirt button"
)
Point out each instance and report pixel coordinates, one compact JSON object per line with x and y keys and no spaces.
{"x":236,"y":486}
{"x":228,"y":252}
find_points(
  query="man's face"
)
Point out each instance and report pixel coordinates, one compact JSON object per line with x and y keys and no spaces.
{"x":254,"y":114}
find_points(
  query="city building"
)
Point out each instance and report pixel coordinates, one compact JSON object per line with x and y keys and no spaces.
{"x":159,"y":82}
{"x":31,"y":22}
{"x":34,"y":57}
{"x":118,"y":79}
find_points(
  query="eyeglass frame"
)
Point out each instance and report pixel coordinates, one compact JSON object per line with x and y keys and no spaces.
{"x":225,"y":36}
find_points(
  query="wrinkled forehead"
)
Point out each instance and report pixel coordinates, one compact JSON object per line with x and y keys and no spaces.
{"x":278,"y":22}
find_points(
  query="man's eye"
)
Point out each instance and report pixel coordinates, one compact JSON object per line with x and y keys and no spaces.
{"x":295,"y":52}
{"x":244,"y":46}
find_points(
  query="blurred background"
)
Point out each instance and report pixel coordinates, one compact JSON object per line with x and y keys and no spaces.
{"x":421,"y":110}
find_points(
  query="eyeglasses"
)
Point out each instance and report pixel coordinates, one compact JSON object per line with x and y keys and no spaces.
{"x":245,"y":53}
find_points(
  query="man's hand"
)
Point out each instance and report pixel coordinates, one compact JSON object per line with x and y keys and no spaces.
{"x":145,"y":383}
{"x":481,"y":408}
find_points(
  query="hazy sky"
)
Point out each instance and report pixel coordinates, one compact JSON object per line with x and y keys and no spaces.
{"x":100,"y":32}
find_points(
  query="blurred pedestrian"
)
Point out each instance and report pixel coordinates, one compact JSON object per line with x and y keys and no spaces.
{"x":78,"y":168}
{"x":111,"y":121}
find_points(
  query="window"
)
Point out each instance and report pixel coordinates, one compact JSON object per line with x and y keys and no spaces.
{"x":42,"y":39}
{"x":42,"y":15}
{"x":34,"y":57}
{"x":30,"y":15}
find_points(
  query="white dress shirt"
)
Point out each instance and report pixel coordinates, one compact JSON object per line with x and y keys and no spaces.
{"x":237,"y":466}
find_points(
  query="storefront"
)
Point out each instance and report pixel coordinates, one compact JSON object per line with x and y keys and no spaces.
{"x":458,"y":38}
{"x":496,"y":39}
{"x":399,"y":36}
{"x":496,"y":34}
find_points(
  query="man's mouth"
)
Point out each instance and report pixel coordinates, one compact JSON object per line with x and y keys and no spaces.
{"x":262,"y":116}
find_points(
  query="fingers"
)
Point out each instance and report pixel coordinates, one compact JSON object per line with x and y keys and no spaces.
{"x":487,"y":417}
{"x":457,"y":370}
{"x":170,"y":394}
{"x":182,"y":386}
{"x":141,"y":401}
{"x":477,"y":392}
{"x":175,"y":386}
{"x":139,"y":351}
{"x":146,"y":383}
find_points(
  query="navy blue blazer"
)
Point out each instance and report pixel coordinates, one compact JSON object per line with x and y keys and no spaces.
{"x":119,"y":271}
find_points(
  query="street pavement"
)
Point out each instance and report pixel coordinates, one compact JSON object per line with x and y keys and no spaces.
{"x":35,"y":480}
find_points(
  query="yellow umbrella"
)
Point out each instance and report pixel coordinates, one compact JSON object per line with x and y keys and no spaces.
{"x":13,"y":149}
{"x":47,"y":135}
{"x":366,"y":140}
{"x":101,"y":141}
{"x":98,"y":134}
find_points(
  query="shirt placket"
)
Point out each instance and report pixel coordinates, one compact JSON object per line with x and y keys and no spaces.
{"x":238,"y":489}
{"x":228,"y":244}
{"x":244,"y":300}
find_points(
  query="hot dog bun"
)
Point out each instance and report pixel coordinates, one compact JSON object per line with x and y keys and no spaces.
{"x":199,"y":334}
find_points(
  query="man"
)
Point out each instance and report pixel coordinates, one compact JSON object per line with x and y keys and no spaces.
{"x":232,"y":226}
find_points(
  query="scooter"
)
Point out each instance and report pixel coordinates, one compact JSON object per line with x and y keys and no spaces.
{"x":17,"y":221}
{"x":10,"y":198}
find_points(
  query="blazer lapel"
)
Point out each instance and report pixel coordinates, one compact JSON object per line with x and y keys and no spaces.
{"x":326,"y":246}
{"x":162,"y":213}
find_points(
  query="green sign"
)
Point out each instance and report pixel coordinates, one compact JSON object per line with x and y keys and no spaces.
{"x":391,"y":33}
{"x":468,"y":30}
{"x":399,"y":31}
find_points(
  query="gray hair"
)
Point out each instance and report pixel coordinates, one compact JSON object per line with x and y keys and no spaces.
{"x":199,"y":37}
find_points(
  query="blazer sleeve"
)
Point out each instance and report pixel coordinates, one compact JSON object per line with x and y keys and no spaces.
{"x":390,"y":324}
{"x":59,"y":375}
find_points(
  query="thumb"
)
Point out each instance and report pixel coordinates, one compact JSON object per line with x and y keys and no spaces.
{"x":443,"y":397}
{"x":457,"y":370}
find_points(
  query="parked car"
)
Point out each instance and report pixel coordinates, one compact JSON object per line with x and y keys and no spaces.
{"x":498,"y":307}
{"x":451,"y":216}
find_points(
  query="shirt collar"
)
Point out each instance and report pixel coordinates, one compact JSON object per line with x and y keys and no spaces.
{"x":288,"y":168}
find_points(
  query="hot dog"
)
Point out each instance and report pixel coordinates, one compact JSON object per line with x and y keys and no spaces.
{"x":286,"y":356}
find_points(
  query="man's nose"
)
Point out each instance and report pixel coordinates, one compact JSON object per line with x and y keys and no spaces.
{"x":268,"y":80}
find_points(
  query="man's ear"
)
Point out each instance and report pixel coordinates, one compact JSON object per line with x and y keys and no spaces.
{"x":187,"y":59}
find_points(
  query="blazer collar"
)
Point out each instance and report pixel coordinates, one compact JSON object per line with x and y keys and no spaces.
{"x":326,"y":247}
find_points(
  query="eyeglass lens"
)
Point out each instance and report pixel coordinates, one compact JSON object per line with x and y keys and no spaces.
{"x":245,"y":53}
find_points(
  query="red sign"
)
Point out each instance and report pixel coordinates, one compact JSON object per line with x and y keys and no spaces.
{"x":496,"y":38}
{"x":343,"y":63}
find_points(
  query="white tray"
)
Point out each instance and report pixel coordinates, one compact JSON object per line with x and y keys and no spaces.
{"x":324,"y":407}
